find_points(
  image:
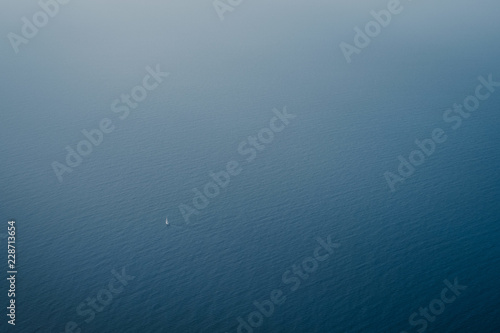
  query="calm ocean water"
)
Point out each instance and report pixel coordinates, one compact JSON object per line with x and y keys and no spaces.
{"x":323,"y":175}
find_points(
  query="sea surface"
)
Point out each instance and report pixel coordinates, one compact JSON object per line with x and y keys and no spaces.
{"x":322,"y":176}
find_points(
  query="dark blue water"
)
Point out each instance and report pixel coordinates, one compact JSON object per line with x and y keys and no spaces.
{"x":323,"y":175}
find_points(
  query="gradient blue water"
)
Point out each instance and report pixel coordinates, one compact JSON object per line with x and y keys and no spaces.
{"x":321,"y":176}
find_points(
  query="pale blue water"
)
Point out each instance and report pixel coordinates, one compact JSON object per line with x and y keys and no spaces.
{"x":322,"y":175}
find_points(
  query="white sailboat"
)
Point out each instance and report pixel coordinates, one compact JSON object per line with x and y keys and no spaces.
{"x":166,"y":221}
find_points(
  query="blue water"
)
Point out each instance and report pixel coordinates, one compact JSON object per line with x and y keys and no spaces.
{"x":322,"y":175}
